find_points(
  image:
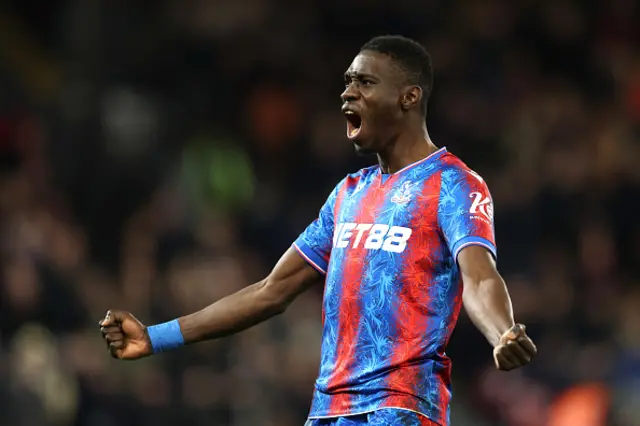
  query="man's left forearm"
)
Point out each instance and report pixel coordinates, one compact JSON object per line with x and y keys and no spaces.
{"x":488,"y":304}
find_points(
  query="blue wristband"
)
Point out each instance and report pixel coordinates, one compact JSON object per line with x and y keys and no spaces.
{"x":165,"y":336}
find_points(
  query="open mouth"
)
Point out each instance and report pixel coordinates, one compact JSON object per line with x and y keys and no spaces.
{"x":354,"y":124}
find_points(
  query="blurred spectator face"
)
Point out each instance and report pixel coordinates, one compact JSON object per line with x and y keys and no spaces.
{"x":21,"y":285}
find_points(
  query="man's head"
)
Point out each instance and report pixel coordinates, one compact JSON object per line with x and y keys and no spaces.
{"x":387,"y":88}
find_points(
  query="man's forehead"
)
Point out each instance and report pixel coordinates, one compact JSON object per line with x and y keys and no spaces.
{"x":371,"y":63}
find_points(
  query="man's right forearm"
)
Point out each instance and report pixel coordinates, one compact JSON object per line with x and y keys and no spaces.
{"x":250,"y":306}
{"x":128,"y":338}
{"x":232,"y":314}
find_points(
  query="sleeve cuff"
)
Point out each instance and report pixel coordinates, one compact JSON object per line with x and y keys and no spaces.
{"x":474,"y":241}
{"x":311,"y":257}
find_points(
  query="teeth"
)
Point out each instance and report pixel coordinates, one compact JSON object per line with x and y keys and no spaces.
{"x":349,"y":113}
{"x":354,"y":132}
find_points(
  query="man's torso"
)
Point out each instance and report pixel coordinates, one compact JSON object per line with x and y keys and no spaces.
{"x":393,"y":289}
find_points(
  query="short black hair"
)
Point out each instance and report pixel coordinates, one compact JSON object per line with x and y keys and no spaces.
{"x":410,"y":56}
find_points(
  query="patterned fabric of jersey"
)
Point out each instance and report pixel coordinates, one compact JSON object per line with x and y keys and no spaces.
{"x":384,"y":417}
{"x":388,"y":244}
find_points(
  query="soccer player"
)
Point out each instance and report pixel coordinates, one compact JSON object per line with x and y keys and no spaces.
{"x":401,"y":245}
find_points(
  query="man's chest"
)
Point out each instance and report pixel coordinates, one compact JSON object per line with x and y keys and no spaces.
{"x":388,"y":219}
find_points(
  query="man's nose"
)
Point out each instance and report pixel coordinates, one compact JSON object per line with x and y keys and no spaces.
{"x":350,"y":93}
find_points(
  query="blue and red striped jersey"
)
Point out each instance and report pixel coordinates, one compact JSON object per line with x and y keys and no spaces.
{"x":388,"y":244}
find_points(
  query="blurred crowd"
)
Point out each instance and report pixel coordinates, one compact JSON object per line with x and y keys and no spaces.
{"x":156,"y":156}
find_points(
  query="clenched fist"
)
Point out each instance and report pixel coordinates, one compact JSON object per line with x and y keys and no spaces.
{"x":126,"y":337}
{"x":515,"y":349}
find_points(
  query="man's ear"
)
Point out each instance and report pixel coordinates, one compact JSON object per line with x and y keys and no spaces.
{"x":411,"y":97}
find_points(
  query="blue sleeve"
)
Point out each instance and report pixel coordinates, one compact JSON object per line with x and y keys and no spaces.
{"x":316,"y":242}
{"x":465,"y":211}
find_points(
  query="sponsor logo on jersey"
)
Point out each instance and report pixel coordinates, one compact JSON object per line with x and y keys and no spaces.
{"x":371,"y":236}
{"x":481,"y":207}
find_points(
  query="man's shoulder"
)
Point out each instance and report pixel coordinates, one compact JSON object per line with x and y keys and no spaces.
{"x":453,"y":168}
{"x":366,"y":171}
{"x":352,"y":180}
{"x":359,"y":175}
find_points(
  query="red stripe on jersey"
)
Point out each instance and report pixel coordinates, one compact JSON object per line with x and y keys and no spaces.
{"x":414,"y":298}
{"x":350,"y":310}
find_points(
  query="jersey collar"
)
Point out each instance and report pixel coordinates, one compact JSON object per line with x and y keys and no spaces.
{"x":434,"y":155}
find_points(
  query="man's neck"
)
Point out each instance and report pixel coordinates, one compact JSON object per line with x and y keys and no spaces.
{"x":408,"y":148}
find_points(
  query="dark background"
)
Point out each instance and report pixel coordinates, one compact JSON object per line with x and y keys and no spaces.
{"x":158,"y":155}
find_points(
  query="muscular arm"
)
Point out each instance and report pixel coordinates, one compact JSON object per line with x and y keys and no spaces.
{"x":128,"y":338}
{"x":254,"y":304}
{"x":465,"y":216}
{"x":487,"y":302}
{"x":485,"y":296}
